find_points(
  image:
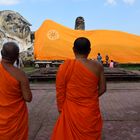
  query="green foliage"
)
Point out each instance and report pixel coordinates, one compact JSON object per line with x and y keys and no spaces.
{"x":130,"y":66}
{"x":28,"y":70}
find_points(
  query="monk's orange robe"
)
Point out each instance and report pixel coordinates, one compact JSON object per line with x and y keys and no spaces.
{"x":13,"y":109}
{"x":77,"y":99}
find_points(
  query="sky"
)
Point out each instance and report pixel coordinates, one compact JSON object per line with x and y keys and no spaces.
{"x":120,"y":15}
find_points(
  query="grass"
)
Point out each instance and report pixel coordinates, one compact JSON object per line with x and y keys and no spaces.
{"x":28,"y":70}
{"x":130,"y":67}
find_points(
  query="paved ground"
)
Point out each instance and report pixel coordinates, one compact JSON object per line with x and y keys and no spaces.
{"x":120,"y":107}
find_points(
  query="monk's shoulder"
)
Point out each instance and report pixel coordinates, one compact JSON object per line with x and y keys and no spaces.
{"x":20,"y":75}
{"x":66,"y":63}
{"x":97,"y":65}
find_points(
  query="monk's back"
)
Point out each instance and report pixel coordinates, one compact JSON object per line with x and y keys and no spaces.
{"x":82,"y":86}
{"x":8,"y":86}
{"x":12,"y":107}
{"x":92,"y":65}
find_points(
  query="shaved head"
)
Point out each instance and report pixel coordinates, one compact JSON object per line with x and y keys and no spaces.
{"x":10,"y":51}
{"x":82,"y":46}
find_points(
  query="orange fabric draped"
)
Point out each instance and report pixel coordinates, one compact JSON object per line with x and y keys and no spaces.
{"x":13,"y":109}
{"x":77,"y":99}
{"x":54,"y":41}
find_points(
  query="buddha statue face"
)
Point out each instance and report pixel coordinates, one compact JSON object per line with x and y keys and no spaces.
{"x":15,"y":24}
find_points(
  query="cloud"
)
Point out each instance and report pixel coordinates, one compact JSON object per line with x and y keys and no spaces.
{"x":78,"y":0}
{"x":130,"y":2}
{"x":9,"y":2}
{"x":111,"y":2}
{"x":114,"y":2}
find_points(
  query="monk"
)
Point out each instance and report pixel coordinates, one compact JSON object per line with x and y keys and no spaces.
{"x":79,"y":84}
{"x":14,"y":93}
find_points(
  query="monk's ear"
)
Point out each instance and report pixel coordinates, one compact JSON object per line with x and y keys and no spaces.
{"x":89,"y":50}
{"x":74,"y":50}
{"x":18,"y":55}
{"x":1,"y":52}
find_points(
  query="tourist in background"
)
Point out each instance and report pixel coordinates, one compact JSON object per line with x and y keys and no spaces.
{"x":19,"y":63}
{"x":107,"y":60}
{"x":99,"y":58}
{"x":111,"y":65}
